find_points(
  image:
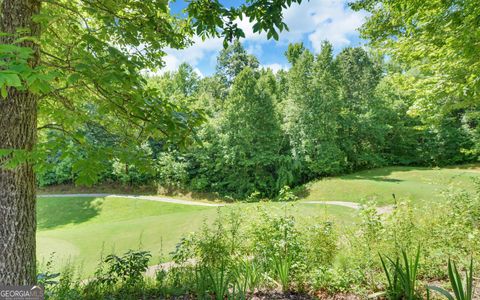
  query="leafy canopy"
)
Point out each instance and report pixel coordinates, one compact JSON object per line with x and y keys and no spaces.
{"x":436,"y":44}
{"x":93,"y":55}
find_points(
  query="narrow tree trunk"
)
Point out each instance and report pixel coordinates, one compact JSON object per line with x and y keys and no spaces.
{"x":18,"y":123}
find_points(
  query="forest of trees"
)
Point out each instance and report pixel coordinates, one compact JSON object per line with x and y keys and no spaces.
{"x":260,"y":131}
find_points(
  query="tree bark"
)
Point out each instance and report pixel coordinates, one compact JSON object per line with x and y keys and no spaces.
{"x":18,"y":122}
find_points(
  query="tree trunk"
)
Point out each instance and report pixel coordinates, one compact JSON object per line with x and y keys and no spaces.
{"x":18,"y":126}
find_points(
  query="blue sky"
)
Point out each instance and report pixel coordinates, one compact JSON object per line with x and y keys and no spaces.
{"x":311,"y":23}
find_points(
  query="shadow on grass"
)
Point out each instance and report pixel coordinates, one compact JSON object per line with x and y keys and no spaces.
{"x":471,"y":166}
{"x":194,"y":195}
{"x":301,"y":191}
{"x":381,"y":174}
{"x":55,"y":212}
{"x":103,"y":188}
{"x":375,"y":178}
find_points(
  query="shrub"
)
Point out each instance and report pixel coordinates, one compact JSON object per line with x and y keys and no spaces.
{"x":171,"y":171}
{"x":277,"y":246}
{"x":286,"y":195}
{"x":321,"y":242}
{"x":127,"y":269}
{"x":217,"y":254}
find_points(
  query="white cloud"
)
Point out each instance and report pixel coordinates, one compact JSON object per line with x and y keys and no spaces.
{"x":171,"y":63}
{"x":193,"y":54}
{"x":314,"y":20}
{"x":321,"y":20}
{"x":210,"y":48}
{"x":199,"y":73}
{"x":254,"y":49}
{"x":318,"y":20}
{"x":274,"y":67}
{"x":247,"y":28}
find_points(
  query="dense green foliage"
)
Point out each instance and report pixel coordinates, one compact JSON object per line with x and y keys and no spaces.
{"x":244,"y":132}
{"x":412,"y":99}
{"x":95,"y":106}
{"x":326,"y":115}
{"x":434,"y":45}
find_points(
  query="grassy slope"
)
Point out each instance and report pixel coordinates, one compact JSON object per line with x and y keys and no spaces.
{"x":422,"y":185}
{"x":80,"y":230}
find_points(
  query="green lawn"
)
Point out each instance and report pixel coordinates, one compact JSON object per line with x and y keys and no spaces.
{"x":80,"y":230}
{"x":422,"y":185}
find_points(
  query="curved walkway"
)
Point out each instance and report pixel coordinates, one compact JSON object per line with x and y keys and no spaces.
{"x":381,"y":209}
{"x":139,"y":197}
{"x":353,"y":205}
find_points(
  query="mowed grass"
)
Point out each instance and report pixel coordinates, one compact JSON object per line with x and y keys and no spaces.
{"x":79,"y":231}
{"x":82,"y":230}
{"x":420,"y":185}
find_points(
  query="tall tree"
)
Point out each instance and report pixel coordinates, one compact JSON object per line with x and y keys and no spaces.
{"x":293,"y":52}
{"x":360,"y":123}
{"x":91,"y":57}
{"x":250,"y":136}
{"x":314,"y":112}
{"x":18,"y":127}
{"x":436,"y":43}
{"x":186,"y":80}
{"x":232,"y":60}
{"x":324,"y":108}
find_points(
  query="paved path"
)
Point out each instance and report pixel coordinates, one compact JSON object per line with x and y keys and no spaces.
{"x":353,"y":205}
{"x":152,"y":270}
{"x":381,"y":209}
{"x":139,"y":197}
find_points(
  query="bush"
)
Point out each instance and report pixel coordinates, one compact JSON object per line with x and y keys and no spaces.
{"x":286,"y":195}
{"x":171,"y":171}
{"x":127,"y":269}
{"x":321,"y":241}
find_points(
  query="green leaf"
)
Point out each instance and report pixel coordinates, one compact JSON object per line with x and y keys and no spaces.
{"x":441,"y":291}
{"x":275,"y":35}
{"x":3,"y":91}
{"x":10,"y":78}
{"x":73,"y":78}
